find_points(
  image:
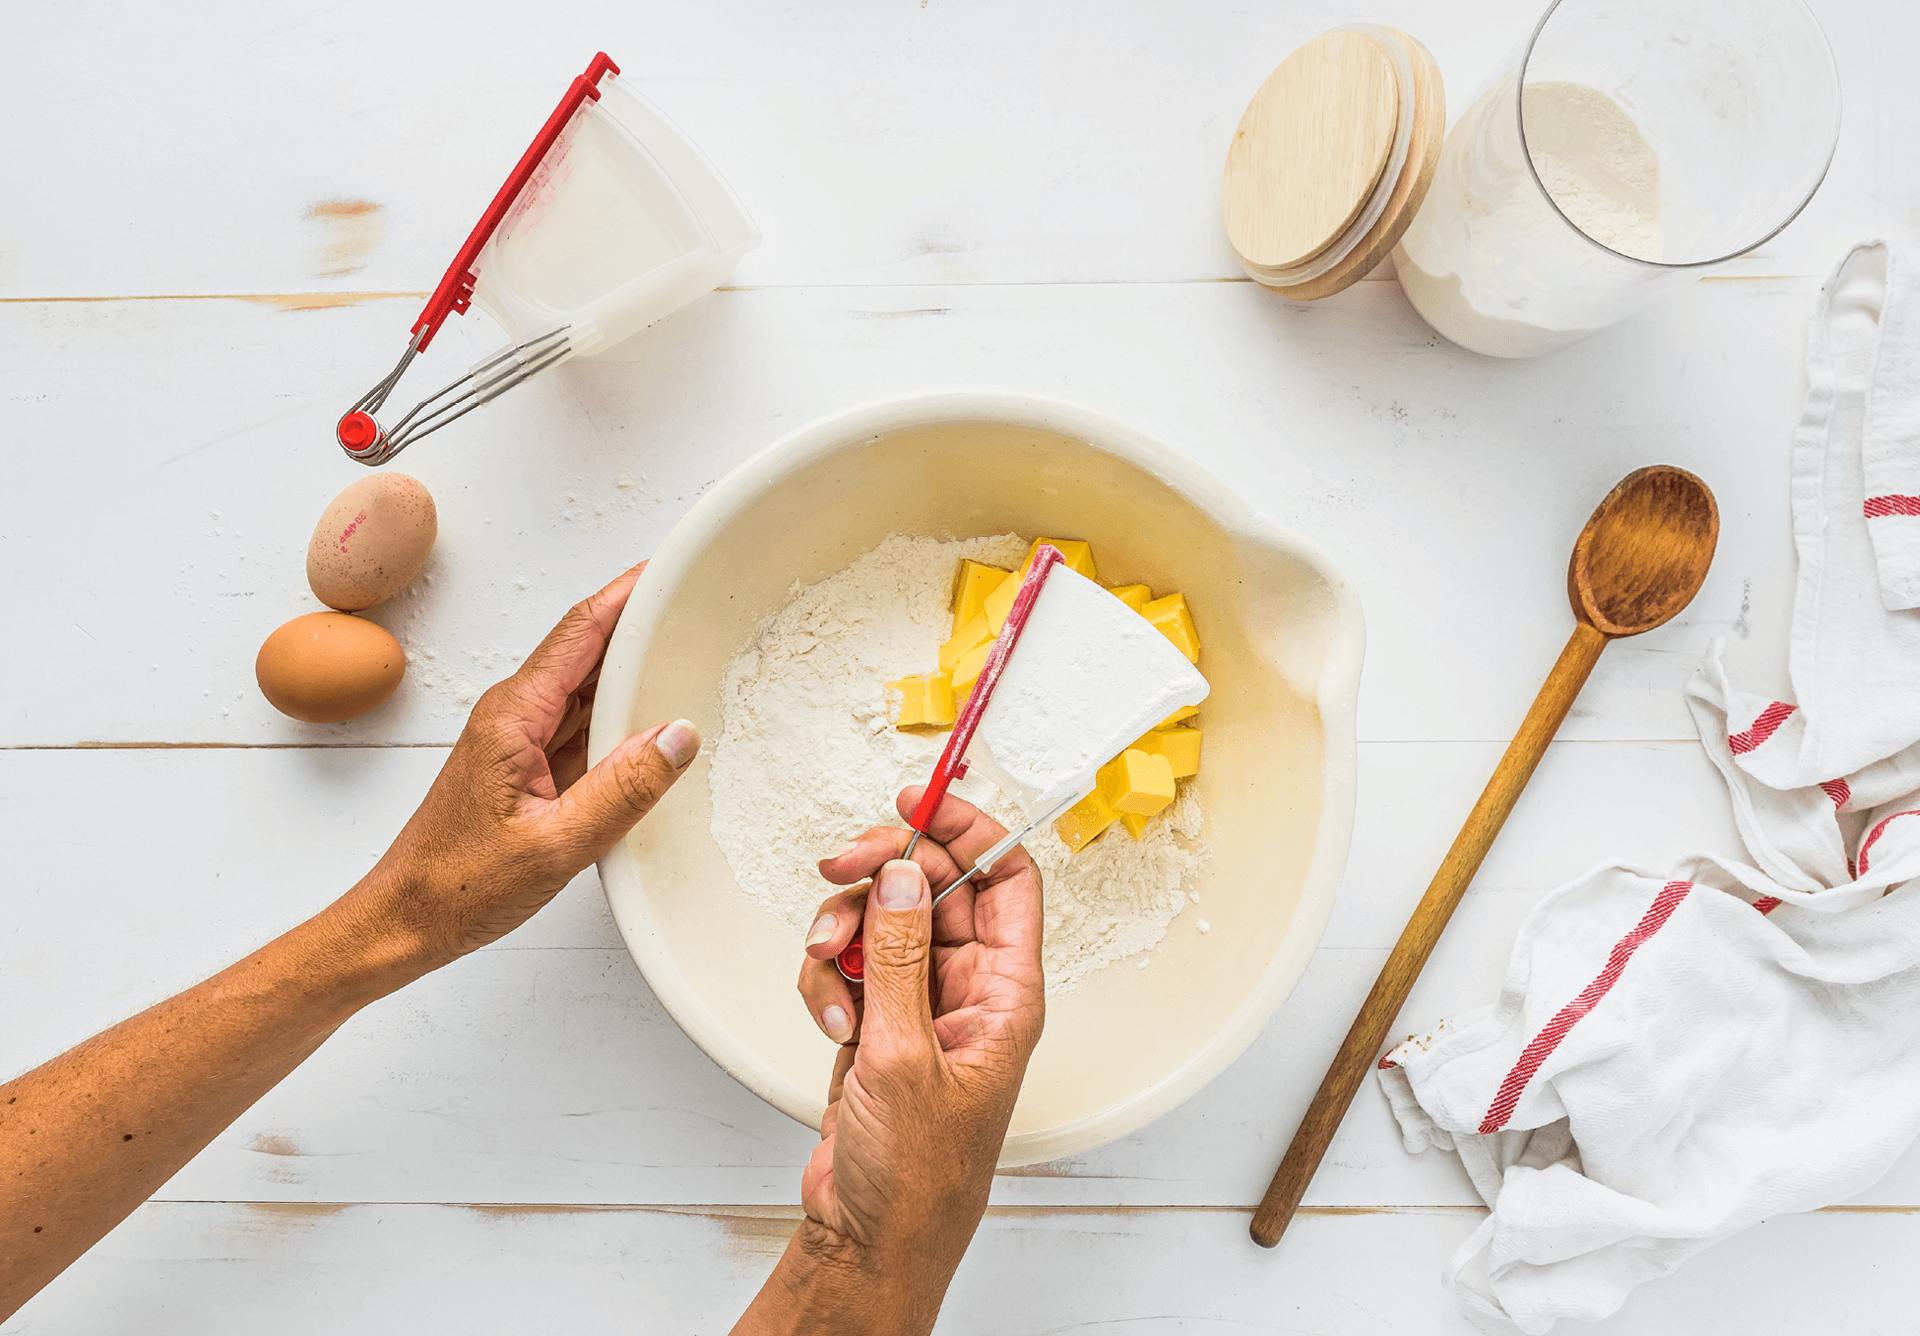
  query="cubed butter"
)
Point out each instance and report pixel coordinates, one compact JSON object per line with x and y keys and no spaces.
{"x":967,"y":671}
{"x":1184,"y":712}
{"x":924,"y":701}
{"x":1137,"y":782}
{"x":1084,"y":820}
{"x":1171,"y":619}
{"x":1075,"y":555}
{"x":971,"y":585}
{"x":1181,"y":747}
{"x":969,"y":637}
{"x":999,"y":602}
{"x":1136,"y":825}
{"x":1134,"y":596}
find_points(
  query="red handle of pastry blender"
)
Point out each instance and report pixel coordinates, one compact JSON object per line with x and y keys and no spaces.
{"x":953,"y":764}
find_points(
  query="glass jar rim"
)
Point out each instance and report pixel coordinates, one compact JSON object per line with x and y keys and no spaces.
{"x":1519,"y":114}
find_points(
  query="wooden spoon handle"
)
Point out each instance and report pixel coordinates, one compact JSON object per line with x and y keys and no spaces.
{"x":1363,"y":1042}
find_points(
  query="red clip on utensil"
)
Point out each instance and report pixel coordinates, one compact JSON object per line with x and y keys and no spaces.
{"x":953,"y":764}
{"x":365,"y":439}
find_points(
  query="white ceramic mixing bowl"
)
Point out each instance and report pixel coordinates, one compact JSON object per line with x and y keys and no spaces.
{"x":1282,"y":639}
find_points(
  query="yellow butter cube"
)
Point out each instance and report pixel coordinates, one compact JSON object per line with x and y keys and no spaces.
{"x":967,"y":671}
{"x":1076,"y":555}
{"x":1184,"y":712}
{"x":1084,"y":820}
{"x":999,"y":602}
{"x":1137,"y":782}
{"x":1134,"y":596}
{"x":1136,"y":825}
{"x":1181,"y":747}
{"x":924,"y":701}
{"x":971,"y":585}
{"x":969,"y":637}
{"x":1171,"y":619}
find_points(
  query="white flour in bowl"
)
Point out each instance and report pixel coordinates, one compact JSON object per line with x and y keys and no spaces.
{"x":806,"y":759}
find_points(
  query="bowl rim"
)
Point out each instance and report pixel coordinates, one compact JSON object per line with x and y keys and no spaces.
{"x":1336,"y":694}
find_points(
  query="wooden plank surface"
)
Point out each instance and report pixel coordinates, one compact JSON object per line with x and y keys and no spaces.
{"x":233,"y":1269}
{"x":161,"y":529}
{"x":351,"y":147}
{"x":543,"y":1069}
{"x":990,"y":195}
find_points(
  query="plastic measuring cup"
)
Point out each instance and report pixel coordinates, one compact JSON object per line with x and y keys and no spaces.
{"x":611,"y":220}
{"x":1738,"y":103}
{"x":625,"y":222}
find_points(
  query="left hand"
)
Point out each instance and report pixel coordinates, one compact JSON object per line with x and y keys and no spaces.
{"x":515,"y":813}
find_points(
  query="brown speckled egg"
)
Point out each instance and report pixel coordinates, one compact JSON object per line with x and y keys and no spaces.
{"x":371,"y":542}
{"x":326,"y":667}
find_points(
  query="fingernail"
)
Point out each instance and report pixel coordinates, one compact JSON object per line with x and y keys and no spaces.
{"x":679,"y":742}
{"x":852,"y":846}
{"x":822,"y":929}
{"x":899,"y":885}
{"x":839,"y":1029}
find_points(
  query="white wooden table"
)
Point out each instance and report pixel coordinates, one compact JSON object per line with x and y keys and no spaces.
{"x":217,"y":230}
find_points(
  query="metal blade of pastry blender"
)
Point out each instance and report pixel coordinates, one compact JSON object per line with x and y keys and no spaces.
{"x":985,"y":862}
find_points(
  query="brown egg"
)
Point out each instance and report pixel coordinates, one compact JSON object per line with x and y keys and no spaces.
{"x":327,"y":666}
{"x":371,"y":542}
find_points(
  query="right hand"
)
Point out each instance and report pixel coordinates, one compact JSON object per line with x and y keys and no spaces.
{"x":935,"y":1043}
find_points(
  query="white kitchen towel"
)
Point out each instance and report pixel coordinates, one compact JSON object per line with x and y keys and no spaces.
{"x":1856,"y":531}
{"x":1676,"y":1056}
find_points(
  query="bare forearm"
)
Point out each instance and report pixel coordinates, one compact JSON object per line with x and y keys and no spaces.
{"x":89,"y":1135}
{"x":822,"y":1287}
{"x":513,"y":815}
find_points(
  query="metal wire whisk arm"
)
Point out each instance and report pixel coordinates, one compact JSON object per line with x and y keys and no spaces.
{"x":373,"y":399}
{"x":489,"y":379}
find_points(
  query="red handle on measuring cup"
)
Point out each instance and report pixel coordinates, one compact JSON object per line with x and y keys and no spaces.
{"x":455,"y":293}
{"x":953,"y":764}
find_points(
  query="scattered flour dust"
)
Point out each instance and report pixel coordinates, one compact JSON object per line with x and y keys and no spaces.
{"x":807,"y":758}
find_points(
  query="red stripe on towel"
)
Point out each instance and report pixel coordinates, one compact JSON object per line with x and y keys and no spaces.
{"x":1874,"y":834}
{"x":1763,"y":728}
{"x":1837,"y":790}
{"x":1564,"y":1020}
{"x":1766,"y":904}
{"x":1878,"y":507}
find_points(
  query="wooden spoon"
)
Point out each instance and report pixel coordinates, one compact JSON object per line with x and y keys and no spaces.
{"x":1640,"y":559}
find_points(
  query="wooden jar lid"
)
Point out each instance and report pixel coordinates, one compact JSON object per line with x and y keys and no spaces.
{"x":1310,"y":159}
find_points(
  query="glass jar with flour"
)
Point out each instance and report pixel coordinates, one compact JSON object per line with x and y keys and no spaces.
{"x":1625,"y":147}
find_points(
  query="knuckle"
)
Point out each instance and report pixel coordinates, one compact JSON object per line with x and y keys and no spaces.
{"x":577,"y":622}
{"x":493,"y":701}
{"x":502,"y":705}
{"x":637,"y":784}
{"x":896,"y":951}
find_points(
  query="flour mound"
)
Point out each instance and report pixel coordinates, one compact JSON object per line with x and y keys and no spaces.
{"x":807,"y":758}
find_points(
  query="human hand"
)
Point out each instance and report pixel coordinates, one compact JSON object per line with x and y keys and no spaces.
{"x":935,"y":1044}
{"x":515,"y":813}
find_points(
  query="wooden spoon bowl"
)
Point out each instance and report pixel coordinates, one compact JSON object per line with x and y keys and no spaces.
{"x":1644,"y":552}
